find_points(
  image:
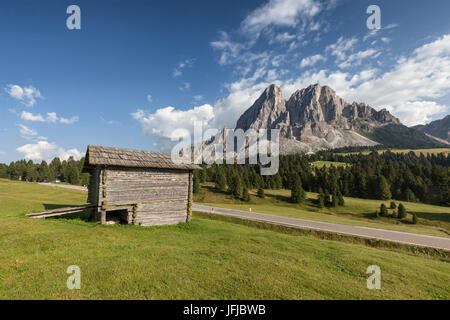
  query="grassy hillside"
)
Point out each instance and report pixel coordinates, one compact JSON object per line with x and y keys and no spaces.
{"x":433,"y":220}
{"x":202,"y":260}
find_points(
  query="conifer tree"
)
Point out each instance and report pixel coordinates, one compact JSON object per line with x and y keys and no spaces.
{"x":401,"y":211}
{"x":297,"y":192}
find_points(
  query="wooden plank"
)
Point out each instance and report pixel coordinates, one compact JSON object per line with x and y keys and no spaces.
{"x":64,"y":210}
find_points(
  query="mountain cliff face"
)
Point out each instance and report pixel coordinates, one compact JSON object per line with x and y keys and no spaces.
{"x":438,"y":128}
{"x":315,"y":118}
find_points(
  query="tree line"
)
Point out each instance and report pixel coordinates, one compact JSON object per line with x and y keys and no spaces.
{"x":383,"y":176}
{"x":68,"y":171}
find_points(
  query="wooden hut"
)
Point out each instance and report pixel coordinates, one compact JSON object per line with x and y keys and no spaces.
{"x":138,"y":187}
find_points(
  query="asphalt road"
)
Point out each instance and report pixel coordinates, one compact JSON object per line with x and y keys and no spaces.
{"x":365,"y":232}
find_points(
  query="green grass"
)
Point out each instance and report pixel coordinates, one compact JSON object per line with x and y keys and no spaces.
{"x":321,"y":164}
{"x":205,"y":259}
{"x":433,"y":220}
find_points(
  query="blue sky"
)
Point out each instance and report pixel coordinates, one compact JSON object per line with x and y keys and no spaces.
{"x":138,"y":70}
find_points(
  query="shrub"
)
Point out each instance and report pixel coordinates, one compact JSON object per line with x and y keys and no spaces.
{"x":383,"y":210}
{"x":401,"y":211}
{"x":334,"y":201}
{"x":261,"y":193}
{"x":414,"y":218}
{"x":393,"y":205}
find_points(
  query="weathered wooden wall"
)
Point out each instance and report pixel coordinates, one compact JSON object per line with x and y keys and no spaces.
{"x":161,"y":195}
{"x":93,"y":189}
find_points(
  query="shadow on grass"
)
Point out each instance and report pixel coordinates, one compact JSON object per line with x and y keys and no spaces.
{"x":433,"y":216}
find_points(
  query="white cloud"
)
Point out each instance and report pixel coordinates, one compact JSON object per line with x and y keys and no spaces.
{"x":417,"y":112}
{"x":185,"y":87}
{"x":28,"y":116}
{"x":43,"y":150}
{"x":280,"y":13}
{"x":282,"y":37}
{"x":26,"y":95}
{"x":178,"y":70}
{"x":26,"y":132}
{"x":311,"y":61}
{"x":340,"y":47}
{"x":356,"y":59}
{"x":165,"y":121}
{"x":229,"y":49}
{"x":111,"y":122}
{"x":66,"y":154}
{"x":374,"y":32}
{"x":51,"y":118}
{"x":69,"y":121}
{"x":149,"y":98}
{"x":406,"y":89}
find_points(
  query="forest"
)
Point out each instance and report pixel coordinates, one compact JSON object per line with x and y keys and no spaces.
{"x":68,"y":171}
{"x":400,"y":176}
{"x":387,"y":175}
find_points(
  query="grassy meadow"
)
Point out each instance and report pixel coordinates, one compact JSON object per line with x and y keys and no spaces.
{"x":432,"y":220}
{"x":205,"y":259}
{"x":321,"y":164}
{"x":417,"y":152}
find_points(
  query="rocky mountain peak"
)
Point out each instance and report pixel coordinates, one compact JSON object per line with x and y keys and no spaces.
{"x":316,"y":118}
{"x":268,"y":110}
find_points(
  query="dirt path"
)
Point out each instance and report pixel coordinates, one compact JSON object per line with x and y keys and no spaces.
{"x":365,"y":232}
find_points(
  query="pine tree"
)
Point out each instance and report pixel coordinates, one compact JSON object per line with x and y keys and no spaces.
{"x":414,"y":218}
{"x":297,"y":192}
{"x":196,"y":184}
{"x":393,"y":205}
{"x":401,"y":211}
{"x":327,"y":198}
{"x":340,"y":198}
{"x":321,"y":200}
{"x":235,"y":186}
{"x":245,"y":195}
{"x":383,"y":210}
{"x":383,"y":191}
{"x":221,"y":181}
{"x":73,"y":174}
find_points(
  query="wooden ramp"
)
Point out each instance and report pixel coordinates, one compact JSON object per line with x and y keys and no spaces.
{"x":60,"y":211}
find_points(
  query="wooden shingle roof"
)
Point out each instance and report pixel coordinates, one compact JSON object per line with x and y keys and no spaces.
{"x":118,"y":157}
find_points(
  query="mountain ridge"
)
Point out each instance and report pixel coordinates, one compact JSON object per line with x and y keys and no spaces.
{"x":438,"y":128}
{"x":316,"y":118}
